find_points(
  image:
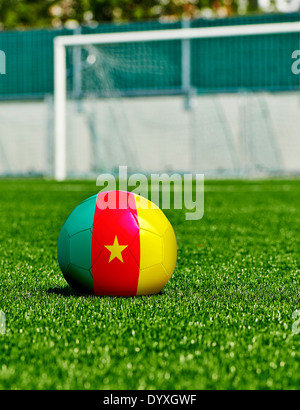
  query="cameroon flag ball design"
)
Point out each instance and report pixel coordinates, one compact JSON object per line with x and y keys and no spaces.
{"x":117,"y":243}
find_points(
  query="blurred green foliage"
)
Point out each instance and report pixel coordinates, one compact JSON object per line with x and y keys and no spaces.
{"x":49,"y":13}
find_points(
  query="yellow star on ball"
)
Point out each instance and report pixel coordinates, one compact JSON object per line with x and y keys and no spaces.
{"x":116,"y":250}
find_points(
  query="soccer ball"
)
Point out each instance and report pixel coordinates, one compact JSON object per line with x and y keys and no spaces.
{"x":117,"y":243}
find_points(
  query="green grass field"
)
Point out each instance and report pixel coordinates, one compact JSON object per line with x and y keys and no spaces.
{"x":224,"y":321}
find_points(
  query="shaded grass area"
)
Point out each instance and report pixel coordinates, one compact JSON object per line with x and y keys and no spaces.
{"x":224,"y":320}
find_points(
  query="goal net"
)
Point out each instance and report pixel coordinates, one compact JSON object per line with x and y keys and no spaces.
{"x":222,"y":101}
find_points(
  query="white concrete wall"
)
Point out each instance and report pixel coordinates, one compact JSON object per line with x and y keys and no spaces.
{"x":229,"y":134}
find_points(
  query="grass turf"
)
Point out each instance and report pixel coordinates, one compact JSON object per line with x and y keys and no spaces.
{"x":224,"y":321}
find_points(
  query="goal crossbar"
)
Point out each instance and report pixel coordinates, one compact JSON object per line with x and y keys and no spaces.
{"x":61,"y":42}
{"x":178,"y":34}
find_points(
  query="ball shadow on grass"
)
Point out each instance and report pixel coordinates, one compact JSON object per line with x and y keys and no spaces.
{"x":68,"y":291}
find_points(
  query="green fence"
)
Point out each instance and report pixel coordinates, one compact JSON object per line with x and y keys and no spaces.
{"x":217,"y":65}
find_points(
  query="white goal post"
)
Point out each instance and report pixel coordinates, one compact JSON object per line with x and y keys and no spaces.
{"x":60,"y":70}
